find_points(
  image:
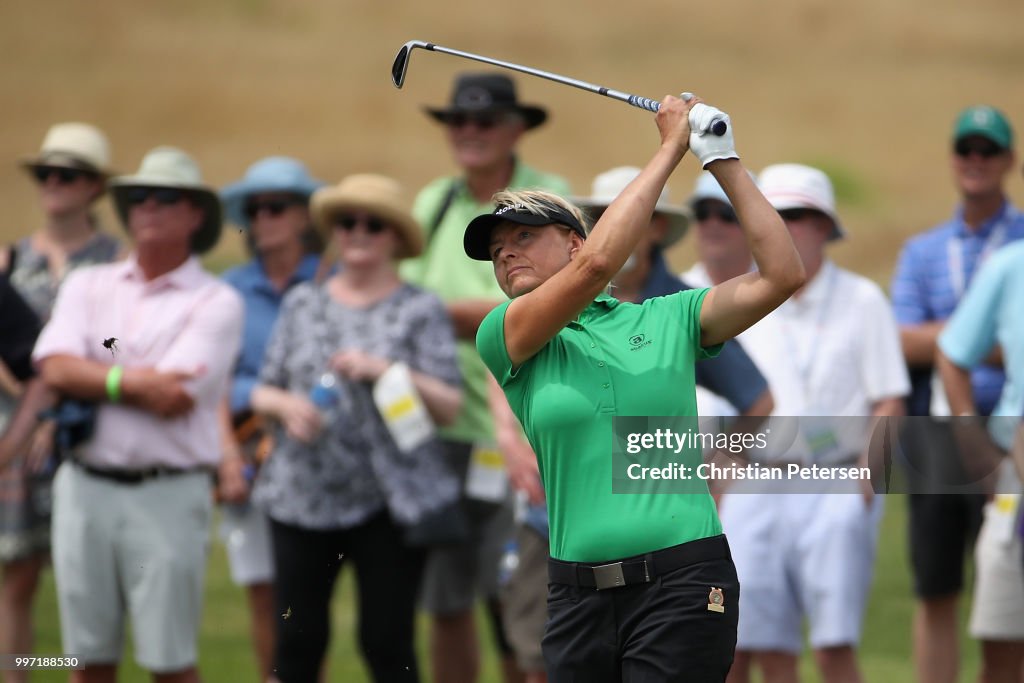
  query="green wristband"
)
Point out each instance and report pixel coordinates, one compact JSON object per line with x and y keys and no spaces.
{"x":114,"y":376}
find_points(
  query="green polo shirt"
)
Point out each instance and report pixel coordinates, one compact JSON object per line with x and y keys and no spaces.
{"x":445,"y":270}
{"x":616,"y":359}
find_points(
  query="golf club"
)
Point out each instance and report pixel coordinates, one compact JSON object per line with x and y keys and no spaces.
{"x":401,"y":66}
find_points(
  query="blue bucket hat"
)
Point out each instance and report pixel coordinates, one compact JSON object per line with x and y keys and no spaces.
{"x":272,"y":174}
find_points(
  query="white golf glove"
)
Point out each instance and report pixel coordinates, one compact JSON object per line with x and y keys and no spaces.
{"x":706,"y":145}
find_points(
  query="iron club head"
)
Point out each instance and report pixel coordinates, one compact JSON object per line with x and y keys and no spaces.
{"x":401,"y":64}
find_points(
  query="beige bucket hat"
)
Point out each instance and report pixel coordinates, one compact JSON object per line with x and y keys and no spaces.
{"x":375,"y":194}
{"x":607,"y":186}
{"x":171,"y":167}
{"x":73,"y":145}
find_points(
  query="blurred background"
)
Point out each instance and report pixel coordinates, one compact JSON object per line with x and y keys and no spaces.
{"x":867,"y":90}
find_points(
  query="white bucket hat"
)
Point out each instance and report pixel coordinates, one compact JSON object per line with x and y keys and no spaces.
{"x":607,"y":186}
{"x":795,"y":186}
{"x":73,"y":145}
{"x":171,"y":167}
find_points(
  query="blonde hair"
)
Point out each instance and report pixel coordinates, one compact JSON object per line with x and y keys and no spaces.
{"x":547,"y":204}
{"x":541,"y":203}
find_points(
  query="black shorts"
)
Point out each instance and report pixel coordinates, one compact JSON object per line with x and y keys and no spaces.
{"x":651,"y":632}
{"x":943,"y":529}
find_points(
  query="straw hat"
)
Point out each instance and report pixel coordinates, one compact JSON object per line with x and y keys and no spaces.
{"x":272,"y":174}
{"x":171,"y":167}
{"x":607,"y":186}
{"x":73,"y":145}
{"x":375,"y":194}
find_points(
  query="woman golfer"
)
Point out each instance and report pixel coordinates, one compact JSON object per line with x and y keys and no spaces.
{"x":642,"y":587}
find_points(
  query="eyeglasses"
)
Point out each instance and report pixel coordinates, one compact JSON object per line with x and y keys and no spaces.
{"x":65,"y":176}
{"x":723,"y":213}
{"x":274,"y":207}
{"x":797,"y":215}
{"x":986,"y":149}
{"x":481,"y":121}
{"x":348,"y":223}
{"x":164,"y":196}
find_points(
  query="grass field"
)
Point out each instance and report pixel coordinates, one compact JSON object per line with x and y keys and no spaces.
{"x":225,"y":655}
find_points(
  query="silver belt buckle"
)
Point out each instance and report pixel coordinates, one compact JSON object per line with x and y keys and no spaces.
{"x":609,"y":576}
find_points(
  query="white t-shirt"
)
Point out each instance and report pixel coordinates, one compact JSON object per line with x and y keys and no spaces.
{"x":833,"y":351}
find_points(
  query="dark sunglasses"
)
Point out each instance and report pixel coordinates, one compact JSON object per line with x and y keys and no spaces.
{"x":986,"y":149}
{"x":702,"y":212}
{"x":164,"y":196}
{"x":65,"y":176}
{"x":274,"y":207}
{"x":797,"y":215}
{"x":481,"y":121}
{"x":348,"y":223}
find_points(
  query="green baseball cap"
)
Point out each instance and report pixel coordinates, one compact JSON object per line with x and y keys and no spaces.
{"x":985,"y":121}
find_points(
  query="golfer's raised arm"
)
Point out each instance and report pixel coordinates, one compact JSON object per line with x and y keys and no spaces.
{"x":736,"y":304}
{"x":533,"y":318}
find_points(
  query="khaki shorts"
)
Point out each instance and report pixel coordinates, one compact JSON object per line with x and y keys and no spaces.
{"x":998,"y":609}
{"x":245,"y":531}
{"x":131,"y":550}
{"x":524,"y":608}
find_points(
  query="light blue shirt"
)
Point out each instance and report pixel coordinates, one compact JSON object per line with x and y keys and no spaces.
{"x":262,"y":304}
{"x":992,"y":311}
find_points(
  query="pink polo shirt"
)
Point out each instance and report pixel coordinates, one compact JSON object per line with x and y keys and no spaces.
{"x":186,"y":320}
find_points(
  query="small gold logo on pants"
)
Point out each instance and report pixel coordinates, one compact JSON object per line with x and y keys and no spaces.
{"x":716,"y":600}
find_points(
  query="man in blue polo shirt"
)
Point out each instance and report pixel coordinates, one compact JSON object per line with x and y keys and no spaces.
{"x":932,"y":275}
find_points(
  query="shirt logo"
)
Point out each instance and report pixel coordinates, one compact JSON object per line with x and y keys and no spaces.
{"x":638,"y":341}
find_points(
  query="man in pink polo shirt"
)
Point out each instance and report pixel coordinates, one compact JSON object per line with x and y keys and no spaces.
{"x":151,"y":342}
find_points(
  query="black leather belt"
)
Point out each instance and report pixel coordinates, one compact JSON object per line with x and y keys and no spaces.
{"x":137,"y":476}
{"x":638,"y":569}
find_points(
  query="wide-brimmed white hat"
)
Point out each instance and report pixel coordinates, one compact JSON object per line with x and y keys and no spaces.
{"x":607,"y":186}
{"x":73,"y":145}
{"x":171,"y":167}
{"x":375,"y":194}
{"x":795,"y":186}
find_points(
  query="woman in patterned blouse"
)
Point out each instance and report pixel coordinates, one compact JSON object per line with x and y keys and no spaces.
{"x":337,"y":486}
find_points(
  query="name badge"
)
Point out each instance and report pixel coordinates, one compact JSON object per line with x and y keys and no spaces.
{"x":404,"y":414}
{"x":486,"y":479}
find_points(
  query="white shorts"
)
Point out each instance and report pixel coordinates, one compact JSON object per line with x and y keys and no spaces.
{"x":135,"y":550}
{"x":801,"y":556}
{"x":998,"y":609}
{"x":245,"y":531}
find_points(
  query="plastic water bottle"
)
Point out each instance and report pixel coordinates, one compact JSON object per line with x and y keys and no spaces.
{"x":509,"y":562}
{"x":326,"y":393}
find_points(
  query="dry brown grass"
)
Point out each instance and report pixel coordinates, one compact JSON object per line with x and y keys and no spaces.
{"x":868,"y":89}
